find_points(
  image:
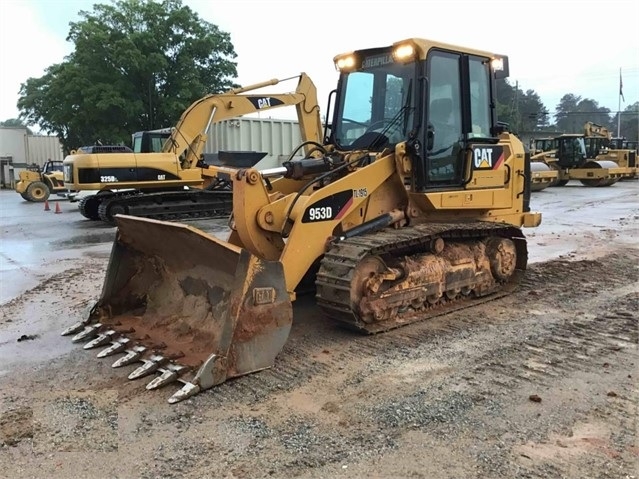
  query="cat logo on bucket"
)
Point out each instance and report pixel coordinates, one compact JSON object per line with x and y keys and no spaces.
{"x":487,"y":157}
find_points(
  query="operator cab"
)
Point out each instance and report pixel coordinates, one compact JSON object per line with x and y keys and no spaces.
{"x":596,"y":146}
{"x":52,"y":165}
{"x":571,"y":151}
{"x":151,"y":141}
{"x":544,"y":144}
{"x":435,"y":99}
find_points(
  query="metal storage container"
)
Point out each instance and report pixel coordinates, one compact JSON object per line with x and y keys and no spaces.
{"x":18,"y":149}
{"x":277,"y":138}
{"x":41,"y":148}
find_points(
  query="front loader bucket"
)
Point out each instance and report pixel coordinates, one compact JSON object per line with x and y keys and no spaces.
{"x":187,"y":304}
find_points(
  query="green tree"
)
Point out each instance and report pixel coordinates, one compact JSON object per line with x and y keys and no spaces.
{"x":506,"y":96}
{"x":572,"y":113}
{"x":534,"y":115}
{"x":523,"y":111}
{"x":16,"y":123}
{"x":137,"y":65}
{"x":629,"y":125}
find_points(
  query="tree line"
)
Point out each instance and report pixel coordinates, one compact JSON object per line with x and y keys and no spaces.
{"x":137,"y":64}
{"x":525,"y":112}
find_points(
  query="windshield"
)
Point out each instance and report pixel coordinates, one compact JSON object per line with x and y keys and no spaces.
{"x":545,"y":144}
{"x":376,"y":106}
{"x":149,"y":142}
{"x":575,"y":147}
{"x":53,"y":166}
{"x":137,"y":143}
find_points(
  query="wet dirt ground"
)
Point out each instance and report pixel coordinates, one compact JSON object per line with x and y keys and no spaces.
{"x":538,"y":384}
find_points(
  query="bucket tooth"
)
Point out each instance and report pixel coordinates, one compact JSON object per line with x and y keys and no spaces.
{"x":150,"y":365}
{"x":89,"y":332}
{"x":101,"y":340}
{"x":117,"y":347}
{"x":132,"y":356}
{"x":188,"y":390}
{"x":74,"y":329}
{"x":169,"y":375}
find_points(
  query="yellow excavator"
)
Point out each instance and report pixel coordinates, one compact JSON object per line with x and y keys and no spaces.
{"x":603,"y":147}
{"x":170,"y":184}
{"x":412,"y":206}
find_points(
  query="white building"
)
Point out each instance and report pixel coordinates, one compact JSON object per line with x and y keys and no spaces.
{"x":19,"y":149}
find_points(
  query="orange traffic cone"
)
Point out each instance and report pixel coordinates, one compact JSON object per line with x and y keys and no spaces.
{"x":57,"y":208}
{"x":46,"y":205}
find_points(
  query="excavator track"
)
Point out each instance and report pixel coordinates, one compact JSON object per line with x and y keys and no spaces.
{"x":338,"y":272}
{"x":167,"y":205}
{"x":88,"y":208}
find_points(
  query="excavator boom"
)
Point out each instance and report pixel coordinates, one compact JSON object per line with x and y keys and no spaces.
{"x":189,"y":135}
{"x":173,"y":183}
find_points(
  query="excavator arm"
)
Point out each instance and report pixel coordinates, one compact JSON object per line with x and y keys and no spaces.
{"x":188,"y":137}
{"x":596,"y":131}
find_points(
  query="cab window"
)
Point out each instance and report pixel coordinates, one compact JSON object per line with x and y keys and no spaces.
{"x":479,"y":70}
{"x":444,"y":164}
{"x":376,"y":104}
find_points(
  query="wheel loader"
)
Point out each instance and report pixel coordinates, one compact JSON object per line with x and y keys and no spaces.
{"x":411,"y":206}
{"x":36,"y":184}
{"x":170,"y":183}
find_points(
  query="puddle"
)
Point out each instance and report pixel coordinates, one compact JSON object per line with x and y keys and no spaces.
{"x":86,"y":239}
{"x":44,"y":347}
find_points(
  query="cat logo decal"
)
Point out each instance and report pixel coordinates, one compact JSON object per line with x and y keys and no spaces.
{"x":488,"y":157}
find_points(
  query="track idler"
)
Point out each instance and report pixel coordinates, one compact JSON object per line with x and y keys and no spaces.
{"x":186,"y":307}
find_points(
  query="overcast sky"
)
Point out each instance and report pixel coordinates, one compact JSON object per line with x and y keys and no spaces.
{"x":555,"y":47}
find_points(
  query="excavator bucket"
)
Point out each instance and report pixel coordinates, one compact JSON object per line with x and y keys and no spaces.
{"x":190,"y":307}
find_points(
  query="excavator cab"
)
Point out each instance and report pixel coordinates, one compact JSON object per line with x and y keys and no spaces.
{"x":150,"y":141}
{"x":411,"y":208}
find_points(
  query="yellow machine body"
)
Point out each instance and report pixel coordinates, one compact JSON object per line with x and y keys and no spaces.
{"x":397,"y":216}
{"x":36,"y":184}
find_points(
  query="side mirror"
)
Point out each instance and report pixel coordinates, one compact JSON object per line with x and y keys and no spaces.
{"x":499,"y":128}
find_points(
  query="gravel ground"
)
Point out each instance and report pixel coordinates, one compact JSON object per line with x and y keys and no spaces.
{"x":538,"y":384}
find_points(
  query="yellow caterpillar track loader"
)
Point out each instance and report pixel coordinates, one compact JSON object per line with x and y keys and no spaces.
{"x":36,"y":184}
{"x":411,"y":207}
{"x":170,"y":183}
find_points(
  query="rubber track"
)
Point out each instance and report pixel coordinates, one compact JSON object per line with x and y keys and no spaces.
{"x":82,"y":206}
{"x":172,"y":205}
{"x":339,"y":264}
